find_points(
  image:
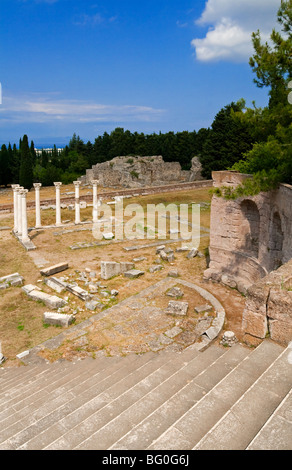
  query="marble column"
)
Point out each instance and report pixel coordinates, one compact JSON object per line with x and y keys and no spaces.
{"x":94,"y":211}
{"x":58,"y":203}
{"x":37,"y":187}
{"x":19,"y":210}
{"x":15,"y":206}
{"x":24,"y":230}
{"x":77,"y":201}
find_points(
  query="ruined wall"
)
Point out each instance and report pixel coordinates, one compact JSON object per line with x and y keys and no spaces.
{"x":251,"y":236}
{"x":268,"y":308}
{"x":135,"y":172}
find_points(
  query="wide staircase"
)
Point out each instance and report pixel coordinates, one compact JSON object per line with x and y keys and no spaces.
{"x":219,"y":399}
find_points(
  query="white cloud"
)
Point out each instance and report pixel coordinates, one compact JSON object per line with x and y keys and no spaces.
{"x":231,"y":23}
{"x":47,"y":108}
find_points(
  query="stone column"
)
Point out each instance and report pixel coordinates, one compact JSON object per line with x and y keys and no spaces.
{"x":15,"y":206}
{"x":94,"y":212}
{"x":77,"y":201}
{"x":37,"y":187}
{"x":24,"y":230}
{"x":19,"y":211}
{"x":58,"y":203}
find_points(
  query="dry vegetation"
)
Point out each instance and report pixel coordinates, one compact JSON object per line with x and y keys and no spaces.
{"x":21,"y":324}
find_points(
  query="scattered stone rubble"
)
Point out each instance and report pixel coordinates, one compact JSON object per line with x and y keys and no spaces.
{"x":51,"y":301}
{"x":57,"y":268}
{"x":177,"y":308}
{"x":11,"y":280}
{"x":58,"y":319}
{"x":110,"y":269}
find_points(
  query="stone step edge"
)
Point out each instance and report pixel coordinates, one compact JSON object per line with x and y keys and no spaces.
{"x":207,"y":394}
{"x":224,"y":353}
{"x":240,"y":399}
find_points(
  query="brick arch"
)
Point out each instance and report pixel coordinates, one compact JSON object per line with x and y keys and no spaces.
{"x":250,"y":228}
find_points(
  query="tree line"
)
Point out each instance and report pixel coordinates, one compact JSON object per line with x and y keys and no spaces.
{"x":216,"y":146}
{"x":249,"y":140}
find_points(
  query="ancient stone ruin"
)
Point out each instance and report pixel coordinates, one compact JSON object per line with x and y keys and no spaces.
{"x":250,"y":249}
{"x":135,"y":172}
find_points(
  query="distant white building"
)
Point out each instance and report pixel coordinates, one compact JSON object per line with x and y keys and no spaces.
{"x":48,"y":150}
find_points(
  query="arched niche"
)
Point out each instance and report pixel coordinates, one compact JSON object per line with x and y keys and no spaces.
{"x":276,"y":239}
{"x":250,"y":228}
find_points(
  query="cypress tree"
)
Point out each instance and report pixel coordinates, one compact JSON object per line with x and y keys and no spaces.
{"x":26,"y":165}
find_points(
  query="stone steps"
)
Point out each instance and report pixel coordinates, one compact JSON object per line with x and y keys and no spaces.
{"x":221,"y":398}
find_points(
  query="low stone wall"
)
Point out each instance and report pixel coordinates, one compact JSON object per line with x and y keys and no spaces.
{"x":268,"y":308}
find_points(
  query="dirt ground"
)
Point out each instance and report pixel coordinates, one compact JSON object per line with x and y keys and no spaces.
{"x":21,"y":324}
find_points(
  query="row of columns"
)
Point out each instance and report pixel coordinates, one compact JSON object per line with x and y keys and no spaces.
{"x":20,"y":212}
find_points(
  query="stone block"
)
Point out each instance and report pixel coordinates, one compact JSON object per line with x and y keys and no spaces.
{"x":154,"y":269}
{"x":57,"y":268}
{"x":203,"y":308}
{"x":12,"y":280}
{"x":173,"y":332}
{"x":50,"y":301}
{"x":182,"y":249}
{"x":55,"y":285}
{"x":92,"y":304}
{"x":177,"y":308}
{"x":192,"y":254}
{"x":79,"y":292}
{"x":133,"y":273}
{"x":110,"y":269}
{"x":175,"y":292}
{"x":108,"y":236}
{"x":58,"y":319}
{"x":173,"y":273}
{"x":126,"y":266}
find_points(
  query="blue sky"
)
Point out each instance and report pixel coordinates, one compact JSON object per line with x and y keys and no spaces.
{"x":90,"y":66}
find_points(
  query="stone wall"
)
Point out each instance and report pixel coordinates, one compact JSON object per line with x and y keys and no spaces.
{"x":250,"y":236}
{"x":135,"y":172}
{"x":268,"y":308}
{"x":251,"y":250}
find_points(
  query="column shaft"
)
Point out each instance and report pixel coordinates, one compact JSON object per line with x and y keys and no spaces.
{"x":19,"y":211}
{"x":58,"y":204}
{"x":94,"y":211}
{"x":77,"y":202}
{"x":24,"y":230}
{"x":37,"y":187}
{"x":15,"y":206}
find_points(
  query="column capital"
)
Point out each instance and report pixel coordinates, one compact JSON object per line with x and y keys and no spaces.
{"x":23,"y":192}
{"x":15,"y":186}
{"x":94,"y":182}
{"x":37,"y":185}
{"x":77,"y":183}
{"x":58,"y":184}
